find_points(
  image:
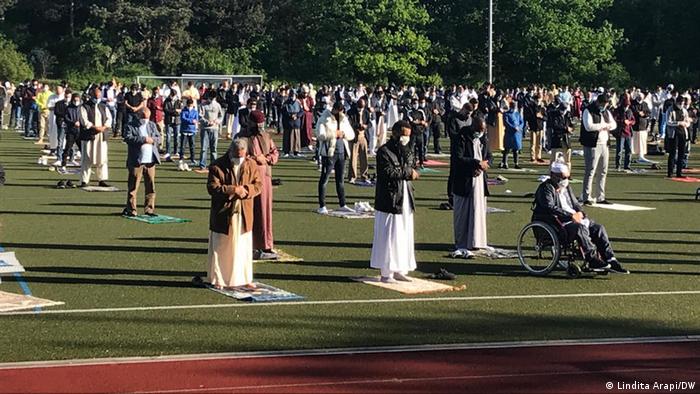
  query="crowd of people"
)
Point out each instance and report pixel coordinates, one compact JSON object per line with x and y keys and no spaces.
{"x":340,"y":128}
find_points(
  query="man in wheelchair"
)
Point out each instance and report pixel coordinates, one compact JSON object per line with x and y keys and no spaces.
{"x":556,"y":205}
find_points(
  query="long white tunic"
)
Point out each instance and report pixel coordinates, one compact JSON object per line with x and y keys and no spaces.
{"x":470,"y":212}
{"x":393,"y":247}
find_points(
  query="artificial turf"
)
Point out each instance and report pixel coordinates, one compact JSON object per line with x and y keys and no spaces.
{"x":77,"y":249}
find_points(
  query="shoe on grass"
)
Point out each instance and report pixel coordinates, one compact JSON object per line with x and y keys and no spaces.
{"x":346,"y":208}
{"x":128,"y":213}
{"x":597,"y":264}
{"x":616,"y":267}
{"x":103,"y":184}
{"x":322,"y":211}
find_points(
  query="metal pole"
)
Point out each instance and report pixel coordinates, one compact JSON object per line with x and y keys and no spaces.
{"x":490,"y":41}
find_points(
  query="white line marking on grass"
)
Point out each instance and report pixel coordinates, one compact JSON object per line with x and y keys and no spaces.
{"x":402,"y":380}
{"x":351,"y":351}
{"x":352,"y":302}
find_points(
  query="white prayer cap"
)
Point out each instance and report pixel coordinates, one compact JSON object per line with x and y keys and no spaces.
{"x":601,"y":90}
{"x":559,"y":166}
{"x":670,"y":87}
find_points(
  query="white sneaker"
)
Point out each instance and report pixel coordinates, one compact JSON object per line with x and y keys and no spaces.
{"x":311,"y":148}
{"x":346,"y":208}
{"x":187,"y":167}
{"x":181,"y":166}
{"x":322,"y":211}
{"x":74,"y":163}
{"x":56,"y":163}
{"x":285,"y":155}
{"x":462,"y":254}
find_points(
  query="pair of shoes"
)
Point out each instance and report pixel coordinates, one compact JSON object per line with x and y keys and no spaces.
{"x":151,"y":214}
{"x":363,"y":206}
{"x":596,"y":264}
{"x":56,"y":163}
{"x":462,"y":254}
{"x":198,"y":282}
{"x":517,"y":167}
{"x":345,"y":208}
{"x":616,"y":267}
{"x":61,"y":184}
{"x":83,"y":184}
{"x":128,"y":213}
{"x":103,"y":184}
{"x":285,"y":155}
{"x":503,"y":166}
{"x":70,"y":185}
{"x":263,"y":255}
{"x":604,"y":202}
{"x":168,"y":157}
{"x":322,"y":211}
{"x":445,"y":206}
{"x":443,"y":274}
{"x":589,"y":203}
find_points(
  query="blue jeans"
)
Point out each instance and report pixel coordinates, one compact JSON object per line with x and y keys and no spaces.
{"x":29,"y":130}
{"x":189,"y":139}
{"x":662,"y":125}
{"x":626,"y":144}
{"x":61,"y":135}
{"x":209,"y":139}
{"x":171,"y":132}
{"x":337,"y":163}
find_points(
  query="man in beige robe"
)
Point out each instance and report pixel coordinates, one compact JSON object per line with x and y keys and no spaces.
{"x":95,"y":121}
{"x":234,"y":182}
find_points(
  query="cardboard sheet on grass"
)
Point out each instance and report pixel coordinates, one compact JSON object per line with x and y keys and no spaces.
{"x":282,"y":257}
{"x":101,"y":189}
{"x":160,"y":219}
{"x":264,"y":293}
{"x":9,"y":263}
{"x":622,"y":207}
{"x":415,"y":286}
{"x":10,"y":302}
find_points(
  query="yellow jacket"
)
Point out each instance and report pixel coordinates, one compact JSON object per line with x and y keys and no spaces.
{"x":42,"y":100}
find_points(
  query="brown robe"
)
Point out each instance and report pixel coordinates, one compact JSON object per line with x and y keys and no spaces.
{"x":221,"y":185}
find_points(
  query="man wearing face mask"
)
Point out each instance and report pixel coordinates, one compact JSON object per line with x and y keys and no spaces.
{"x":393,"y":245}
{"x":437,"y":124}
{"x":420,"y":119}
{"x":469,"y":187}
{"x":559,"y":129}
{"x":596,"y":126}
{"x":333,"y":133}
{"x":291,"y":114}
{"x":380,"y":105}
{"x":142,"y":138}
{"x":556,"y":205}
{"x":95,"y":121}
{"x":678,"y":122}
{"x":234,"y":182}
{"x":360,"y":119}
{"x":72,"y":122}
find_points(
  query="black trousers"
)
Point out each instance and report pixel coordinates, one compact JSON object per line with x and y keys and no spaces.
{"x":594,"y":239}
{"x":676,"y":154}
{"x":71,"y":139}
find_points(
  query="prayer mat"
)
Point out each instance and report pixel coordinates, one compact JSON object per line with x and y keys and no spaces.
{"x":10,"y":302}
{"x":691,"y":171}
{"x":292,"y":157}
{"x":9,"y":263}
{"x":415,"y":286}
{"x":68,"y":171}
{"x":100,"y":189}
{"x":264,"y":293}
{"x":687,"y":179}
{"x":363,"y":184}
{"x":160,"y":219}
{"x":576,"y":153}
{"x":515,"y":169}
{"x":537,"y":163}
{"x":435,"y":163}
{"x":544,"y":178}
{"x":622,"y":207}
{"x":496,"y":253}
{"x":351,"y":215}
{"x":497,"y":210}
{"x":201,"y":171}
{"x":498,"y":181}
{"x":426,"y":170}
{"x":282,"y":257}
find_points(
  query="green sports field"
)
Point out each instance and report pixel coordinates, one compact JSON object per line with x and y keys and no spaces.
{"x":78,"y":250}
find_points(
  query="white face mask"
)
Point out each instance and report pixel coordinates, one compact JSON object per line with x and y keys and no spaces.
{"x":564,"y":183}
{"x":478,"y":135}
{"x":405,"y":139}
{"x":415,"y":106}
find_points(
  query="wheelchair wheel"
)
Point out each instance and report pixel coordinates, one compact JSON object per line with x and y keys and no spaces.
{"x":538,"y":248}
{"x":573,"y":271}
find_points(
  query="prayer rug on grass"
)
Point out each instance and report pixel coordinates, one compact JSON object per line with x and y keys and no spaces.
{"x":68,"y":171}
{"x":415,"y":286}
{"x":496,"y":253}
{"x":497,"y":210}
{"x":10,"y":302}
{"x":427,"y":170}
{"x":622,"y":207}
{"x":9,"y":263}
{"x":264,"y":293}
{"x":435,"y":163}
{"x":691,"y":171}
{"x":351,"y":215}
{"x":282,"y":257}
{"x":687,"y":179}
{"x":160,"y":219}
{"x":100,"y":189}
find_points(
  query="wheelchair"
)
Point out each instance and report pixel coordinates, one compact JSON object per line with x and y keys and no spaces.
{"x":542,"y":248}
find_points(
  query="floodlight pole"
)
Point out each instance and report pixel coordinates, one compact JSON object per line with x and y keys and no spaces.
{"x":490,"y":41}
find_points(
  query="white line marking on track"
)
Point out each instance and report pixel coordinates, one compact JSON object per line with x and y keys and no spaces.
{"x":352,"y":302}
{"x":352,"y":351}
{"x":401,"y":380}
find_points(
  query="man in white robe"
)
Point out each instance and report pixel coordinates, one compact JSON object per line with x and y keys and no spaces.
{"x":393,"y":245}
{"x":95,"y":121}
{"x":234,"y":182}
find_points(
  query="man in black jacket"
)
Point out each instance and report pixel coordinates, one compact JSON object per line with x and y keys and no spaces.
{"x":361,"y":120}
{"x":559,"y":129}
{"x":172,"y":108}
{"x":469,"y":188}
{"x":72,"y":122}
{"x":393,"y":245}
{"x":556,"y":205}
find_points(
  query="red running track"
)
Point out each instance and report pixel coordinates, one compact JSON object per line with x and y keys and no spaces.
{"x":554,"y":369}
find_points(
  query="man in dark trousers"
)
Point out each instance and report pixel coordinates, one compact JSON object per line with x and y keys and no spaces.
{"x":142,"y":137}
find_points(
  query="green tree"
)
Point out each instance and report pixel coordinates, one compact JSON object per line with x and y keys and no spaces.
{"x":14,"y":65}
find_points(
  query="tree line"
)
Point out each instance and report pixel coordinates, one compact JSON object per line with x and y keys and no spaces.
{"x":588,"y":42}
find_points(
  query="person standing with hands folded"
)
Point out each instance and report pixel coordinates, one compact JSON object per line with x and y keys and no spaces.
{"x":142,"y":138}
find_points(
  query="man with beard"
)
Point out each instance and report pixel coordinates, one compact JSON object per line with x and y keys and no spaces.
{"x":262,"y":149}
{"x":361,"y":121}
{"x":596,"y":126}
{"x":95,"y":121}
{"x":142,"y":138}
